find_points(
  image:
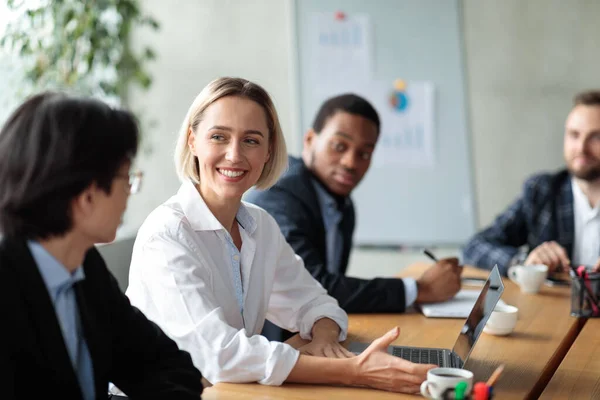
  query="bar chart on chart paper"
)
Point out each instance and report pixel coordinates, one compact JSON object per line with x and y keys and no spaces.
{"x":407,"y":133}
{"x":342,"y":47}
{"x":345,"y":36}
{"x":407,"y":138}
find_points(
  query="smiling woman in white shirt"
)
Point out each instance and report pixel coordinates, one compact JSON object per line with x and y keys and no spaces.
{"x":210,"y":268}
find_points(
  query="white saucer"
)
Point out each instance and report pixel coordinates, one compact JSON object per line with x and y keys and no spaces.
{"x":497,"y":331}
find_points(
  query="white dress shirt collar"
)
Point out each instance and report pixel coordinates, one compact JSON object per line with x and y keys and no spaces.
{"x":201,"y":218}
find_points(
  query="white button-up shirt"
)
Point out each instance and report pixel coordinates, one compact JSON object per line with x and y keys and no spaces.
{"x":586,"y":248}
{"x":183,"y":276}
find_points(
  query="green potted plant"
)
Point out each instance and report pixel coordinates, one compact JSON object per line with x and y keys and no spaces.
{"x":79,"y":46}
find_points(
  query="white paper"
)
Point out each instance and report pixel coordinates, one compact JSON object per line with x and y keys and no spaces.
{"x":459,"y":306}
{"x":340,"y":49}
{"x":407,"y":134}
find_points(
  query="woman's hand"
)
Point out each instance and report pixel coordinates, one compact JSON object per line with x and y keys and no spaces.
{"x":325,"y":341}
{"x":374,"y":367}
{"x":378,"y":369}
{"x":331,"y":349}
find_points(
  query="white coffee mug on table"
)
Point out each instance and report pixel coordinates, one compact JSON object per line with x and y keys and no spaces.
{"x":502,"y":321}
{"x":530,"y":278}
{"x":441,"y":379}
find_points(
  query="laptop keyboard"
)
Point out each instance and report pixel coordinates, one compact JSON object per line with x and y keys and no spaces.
{"x":422,"y":356}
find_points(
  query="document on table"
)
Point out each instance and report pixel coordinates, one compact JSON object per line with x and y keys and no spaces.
{"x":459,"y":306}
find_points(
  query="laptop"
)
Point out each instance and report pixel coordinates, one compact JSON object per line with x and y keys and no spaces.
{"x":467,"y":337}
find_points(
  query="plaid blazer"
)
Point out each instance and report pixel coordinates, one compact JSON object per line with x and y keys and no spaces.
{"x":544,"y":212}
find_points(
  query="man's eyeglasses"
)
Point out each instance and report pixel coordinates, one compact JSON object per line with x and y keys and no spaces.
{"x":135,"y":181}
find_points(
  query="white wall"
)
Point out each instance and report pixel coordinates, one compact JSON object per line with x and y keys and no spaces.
{"x":526,"y":60}
{"x":200,"y":40}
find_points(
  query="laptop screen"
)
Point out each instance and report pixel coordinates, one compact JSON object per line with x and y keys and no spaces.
{"x":485,"y":304}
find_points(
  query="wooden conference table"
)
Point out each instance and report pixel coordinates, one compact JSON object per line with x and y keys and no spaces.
{"x":532,"y":353}
{"x":578,"y":376}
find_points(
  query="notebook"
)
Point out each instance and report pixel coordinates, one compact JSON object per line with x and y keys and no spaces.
{"x":458,"y":307}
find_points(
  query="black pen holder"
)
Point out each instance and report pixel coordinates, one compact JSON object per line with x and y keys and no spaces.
{"x":585,"y":295}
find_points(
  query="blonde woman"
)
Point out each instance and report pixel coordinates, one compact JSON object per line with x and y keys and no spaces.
{"x":210,"y":268}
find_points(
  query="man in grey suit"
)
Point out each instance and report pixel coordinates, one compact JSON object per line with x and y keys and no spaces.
{"x":313,"y":208}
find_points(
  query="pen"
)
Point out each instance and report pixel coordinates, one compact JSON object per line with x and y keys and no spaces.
{"x":459,"y":390}
{"x":584,"y":287}
{"x":480,"y":391}
{"x":582,"y":271}
{"x":494,"y":378}
{"x":430,"y":255}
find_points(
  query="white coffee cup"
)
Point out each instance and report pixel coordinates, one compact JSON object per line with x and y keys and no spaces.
{"x":441,"y":379}
{"x":502,"y":321}
{"x":530,"y":278}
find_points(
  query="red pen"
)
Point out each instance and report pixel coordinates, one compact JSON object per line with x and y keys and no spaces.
{"x":480,"y":391}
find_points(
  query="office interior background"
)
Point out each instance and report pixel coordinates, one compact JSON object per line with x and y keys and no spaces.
{"x":523,"y":61}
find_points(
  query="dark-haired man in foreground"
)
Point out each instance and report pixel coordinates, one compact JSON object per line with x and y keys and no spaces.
{"x":67,"y":329}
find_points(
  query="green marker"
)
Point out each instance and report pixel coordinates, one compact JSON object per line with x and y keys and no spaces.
{"x":459,"y":390}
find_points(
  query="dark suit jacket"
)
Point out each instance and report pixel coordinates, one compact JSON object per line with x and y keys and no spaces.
{"x":126,"y":348}
{"x":294,"y":204}
{"x":544,"y":212}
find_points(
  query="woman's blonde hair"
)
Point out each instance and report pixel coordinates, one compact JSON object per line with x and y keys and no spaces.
{"x":187,"y":164}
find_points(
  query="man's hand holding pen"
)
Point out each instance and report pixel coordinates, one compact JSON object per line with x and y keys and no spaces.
{"x":440,"y":282}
